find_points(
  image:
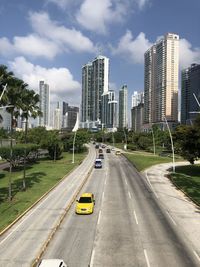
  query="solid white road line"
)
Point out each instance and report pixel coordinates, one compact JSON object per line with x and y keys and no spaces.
{"x":92,"y":258}
{"x":135,"y":217}
{"x":197,"y":256}
{"x":99,"y":217}
{"x":146,"y":258}
{"x":150,"y":184}
{"x":171,"y":218}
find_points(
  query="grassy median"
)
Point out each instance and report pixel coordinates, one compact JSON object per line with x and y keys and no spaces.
{"x":40,"y":177}
{"x":143,"y":161}
{"x":187,"y":178}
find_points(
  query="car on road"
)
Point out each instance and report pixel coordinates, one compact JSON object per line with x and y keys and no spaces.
{"x":85,"y":204}
{"x":108,"y":150}
{"x":98,"y":163}
{"x":101,"y":156}
{"x":100,"y":150}
{"x":52,"y":263}
{"x":118,"y":152}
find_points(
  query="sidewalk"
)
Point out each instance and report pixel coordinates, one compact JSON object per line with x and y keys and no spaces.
{"x":182,"y":211}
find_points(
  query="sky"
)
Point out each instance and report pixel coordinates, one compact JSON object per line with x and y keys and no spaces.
{"x":51,"y":40}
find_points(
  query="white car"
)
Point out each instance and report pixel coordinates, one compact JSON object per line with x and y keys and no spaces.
{"x":52,"y":263}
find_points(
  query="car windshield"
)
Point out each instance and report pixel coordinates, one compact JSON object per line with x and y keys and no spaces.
{"x":85,"y":200}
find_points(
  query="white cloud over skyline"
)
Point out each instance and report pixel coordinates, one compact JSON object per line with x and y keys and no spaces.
{"x":61,"y":81}
{"x":188,"y":54}
{"x":132,"y":49}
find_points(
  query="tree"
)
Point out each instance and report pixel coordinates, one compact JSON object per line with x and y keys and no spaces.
{"x":187,"y":142}
{"x":30,"y":108}
{"x":53,"y":144}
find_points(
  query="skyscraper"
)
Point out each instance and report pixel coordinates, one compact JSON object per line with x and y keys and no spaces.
{"x":94,"y":85}
{"x":123,"y":107}
{"x":137,"y":98}
{"x":44,"y":103}
{"x":161,"y":80}
{"x":109,"y":110}
{"x":57,"y":118}
{"x":86,"y":105}
{"x":190,"y":88}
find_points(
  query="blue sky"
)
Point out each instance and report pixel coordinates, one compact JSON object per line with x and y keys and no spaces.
{"x":52,"y":39}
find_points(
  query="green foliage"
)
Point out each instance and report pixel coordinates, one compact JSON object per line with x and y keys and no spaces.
{"x":53,"y":144}
{"x":82,"y":138}
{"x":144,"y":142}
{"x":187,"y":140}
{"x":19,"y":152}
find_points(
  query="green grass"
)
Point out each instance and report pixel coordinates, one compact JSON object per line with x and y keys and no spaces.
{"x":40,"y":177}
{"x":144,"y":160}
{"x":188,"y":179}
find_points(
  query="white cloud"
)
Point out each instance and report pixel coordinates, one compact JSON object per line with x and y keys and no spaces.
{"x":48,"y":40}
{"x":66,"y":39}
{"x":142,"y":3}
{"x":34,"y":45}
{"x":6,"y":48}
{"x":95,"y":15}
{"x":61,"y":81}
{"x":132,"y":49}
{"x":188,"y":54}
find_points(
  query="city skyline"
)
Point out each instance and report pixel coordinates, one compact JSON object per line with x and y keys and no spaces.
{"x":51,"y":40}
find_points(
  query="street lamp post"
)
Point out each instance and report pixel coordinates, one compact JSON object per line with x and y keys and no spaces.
{"x":75,"y":131}
{"x":125,"y":146}
{"x":172,"y":145}
{"x":4,"y":88}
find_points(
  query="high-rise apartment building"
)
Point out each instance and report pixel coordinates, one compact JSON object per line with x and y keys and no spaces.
{"x":109,"y":110}
{"x":190,"y":93}
{"x":69,"y":116}
{"x":86,"y":105}
{"x":123,"y":107}
{"x":137,"y":98}
{"x":44,"y":104}
{"x":137,"y":111}
{"x":94,"y":84}
{"x":161,"y":80}
{"x":57,"y":118}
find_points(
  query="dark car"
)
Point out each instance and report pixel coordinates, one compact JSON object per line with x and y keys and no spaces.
{"x":101,"y":156}
{"x":108,"y":150}
{"x":96,"y":146}
{"x":100,"y":150}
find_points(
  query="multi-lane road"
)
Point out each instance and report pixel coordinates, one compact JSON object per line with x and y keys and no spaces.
{"x":129,"y":226}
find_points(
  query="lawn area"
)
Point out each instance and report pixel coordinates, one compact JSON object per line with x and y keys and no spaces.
{"x":144,"y":160}
{"x":40,"y":177}
{"x":188,"y":179}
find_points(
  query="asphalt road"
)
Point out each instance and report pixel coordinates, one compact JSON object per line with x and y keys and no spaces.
{"x":128,"y":228}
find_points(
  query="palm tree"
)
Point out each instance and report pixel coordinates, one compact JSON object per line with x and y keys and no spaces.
{"x":29,"y":108}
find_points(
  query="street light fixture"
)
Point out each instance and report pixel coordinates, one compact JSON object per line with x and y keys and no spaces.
{"x":125,"y":146}
{"x":75,"y":131}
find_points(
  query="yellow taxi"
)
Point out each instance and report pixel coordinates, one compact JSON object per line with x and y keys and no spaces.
{"x":85,"y":204}
{"x":118,"y":152}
